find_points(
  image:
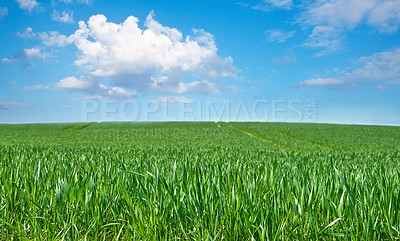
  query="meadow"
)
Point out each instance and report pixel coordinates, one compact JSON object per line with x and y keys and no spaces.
{"x":199,"y":181}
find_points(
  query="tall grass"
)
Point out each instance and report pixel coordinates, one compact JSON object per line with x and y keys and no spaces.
{"x":222,"y":185}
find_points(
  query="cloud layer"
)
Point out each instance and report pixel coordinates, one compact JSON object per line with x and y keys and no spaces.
{"x":381,"y":68}
{"x":330,"y":19}
{"x":9,"y":105}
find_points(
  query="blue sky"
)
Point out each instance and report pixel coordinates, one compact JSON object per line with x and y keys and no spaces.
{"x":335,"y":61}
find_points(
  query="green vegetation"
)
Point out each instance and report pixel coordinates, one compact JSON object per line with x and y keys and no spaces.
{"x":198,"y":181}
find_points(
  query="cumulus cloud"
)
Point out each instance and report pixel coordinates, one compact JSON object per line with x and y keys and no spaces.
{"x":3,"y":12}
{"x":157,"y":58}
{"x":24,"y":56}
{"x":29,"y":5}
{"x":28,"y":33}
{"x":126,"y":49}
{"x":276,"y":35}
{"x":49,"y":39}
{"x":53,"y":38}
{"x":382,"y":68}
{"x":74,"y":83}
{"x":64,"y":17}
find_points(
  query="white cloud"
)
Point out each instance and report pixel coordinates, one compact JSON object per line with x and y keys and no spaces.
{"x":393,"y":82}
{"x":74,"y":83}
{"x":268,"y":5}
{"x":126,"y":49}
{"x":337,"y":13}
{"x":321,"y":82}
{"x":28,"y":33}
{"x":289,"y":56}
{"x":64,"y":17}
{"x":166,"y":100}
{"x":78,"y":1}
{"x":385,"y":16}
{"x":37,"y":87}
{"x":380,"y":67}
{"x":156,"y":58}
{"x":326,"y":37}
{"x":34,"y":53}
{"x":280,"y":3}
{"x":3,"y":12}
{"x":9,"y":105}
{"x":115,"y":92}
{"x":198,"y":87}
{"x":53,"y":38}
{"x":50,"y":38}
{"x":29,"y":5}
{"x":88,"y":85}
{"x":331,"y":19}
{"x":24,"y":56}
{"x":276,"y":35}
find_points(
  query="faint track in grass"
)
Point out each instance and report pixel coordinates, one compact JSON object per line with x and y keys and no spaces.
{"x":85,"y":126}
{"x":70,"y":126}
{"x":287,"y":135}
{"x":77,"y":126}
{"x":309,"y":141}
{"x":263,"y":139}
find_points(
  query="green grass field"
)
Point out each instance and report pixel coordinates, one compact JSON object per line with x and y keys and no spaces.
{"x":199,"y":181}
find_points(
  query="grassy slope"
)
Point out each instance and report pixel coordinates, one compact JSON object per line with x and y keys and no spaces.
{"x":195,"y":180}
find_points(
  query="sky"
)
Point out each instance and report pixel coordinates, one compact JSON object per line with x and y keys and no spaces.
{"x":331,"y":61}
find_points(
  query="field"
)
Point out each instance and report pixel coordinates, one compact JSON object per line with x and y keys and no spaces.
{"x":199,"y":181}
